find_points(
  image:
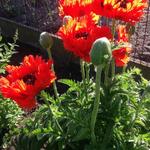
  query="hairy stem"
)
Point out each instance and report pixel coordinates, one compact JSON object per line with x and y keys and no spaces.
{"x":106,"y":74}
{"x":113,"y":68}
{"x":124,"y":69}
{"x":83,"y":78}
{"x":87,"y":69}
{"x":54,"y":83}
{"x":96,"y":103}
{"x":107,"y":136}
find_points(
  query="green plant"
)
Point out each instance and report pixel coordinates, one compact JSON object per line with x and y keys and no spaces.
{"x":122,"y":122}
{"x":61,"y":124}
{"x":10,"y":113}
{"x":6,"y":51}
{"x":64,"y":123}
{"x":125,"y":113}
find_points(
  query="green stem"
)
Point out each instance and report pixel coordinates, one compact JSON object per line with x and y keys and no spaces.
{"x":87,"y":69}
{"x":113,"y":27}
{"x":54,"y":83}
{"x":96,"y":103}
{"x":113,"y":68}
{"x":113,"y":61}
{"x":107,"y":136}
{"x":83,"y":78}
{"x":107,"y":74}
{"x":124,"y":69}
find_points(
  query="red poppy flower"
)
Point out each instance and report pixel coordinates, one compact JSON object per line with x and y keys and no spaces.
{"x":78,"y":35}
{"x":74,"y":8}
{"x":126,"y":10}
{"x":121,"y":55}
{"x":24,"y":82}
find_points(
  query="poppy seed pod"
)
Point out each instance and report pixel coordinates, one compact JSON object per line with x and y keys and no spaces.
{"x":101,"y":51}
{"x":46,"y":40}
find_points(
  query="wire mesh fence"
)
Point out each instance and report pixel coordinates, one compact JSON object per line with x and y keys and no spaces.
{"x":141,"y":40}
{"x":42,"y":15}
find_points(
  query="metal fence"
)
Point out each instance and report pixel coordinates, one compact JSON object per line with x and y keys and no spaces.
{"x":41,"y":14}
{"x":141,"y":40}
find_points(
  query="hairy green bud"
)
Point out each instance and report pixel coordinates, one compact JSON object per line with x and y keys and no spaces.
{"x":46,"y":40}
{"x":101,"y":51}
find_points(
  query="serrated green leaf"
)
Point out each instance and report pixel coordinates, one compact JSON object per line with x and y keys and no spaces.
{"x":68,"y":82}
{"x":2,"y":71}
{"x":140,"y":122}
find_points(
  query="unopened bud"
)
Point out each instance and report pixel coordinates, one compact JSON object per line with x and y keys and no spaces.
{"x":46,"y":40}
{"x":101,"y":51}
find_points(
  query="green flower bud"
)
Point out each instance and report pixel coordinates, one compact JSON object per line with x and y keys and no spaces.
{"x":46,"y":40}
{"x":101,"y":51}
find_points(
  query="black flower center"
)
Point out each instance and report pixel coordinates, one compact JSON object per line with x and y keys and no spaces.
{"x":29,"y":79}
{"x":123,"y":3}
{"x":81,"y":35}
